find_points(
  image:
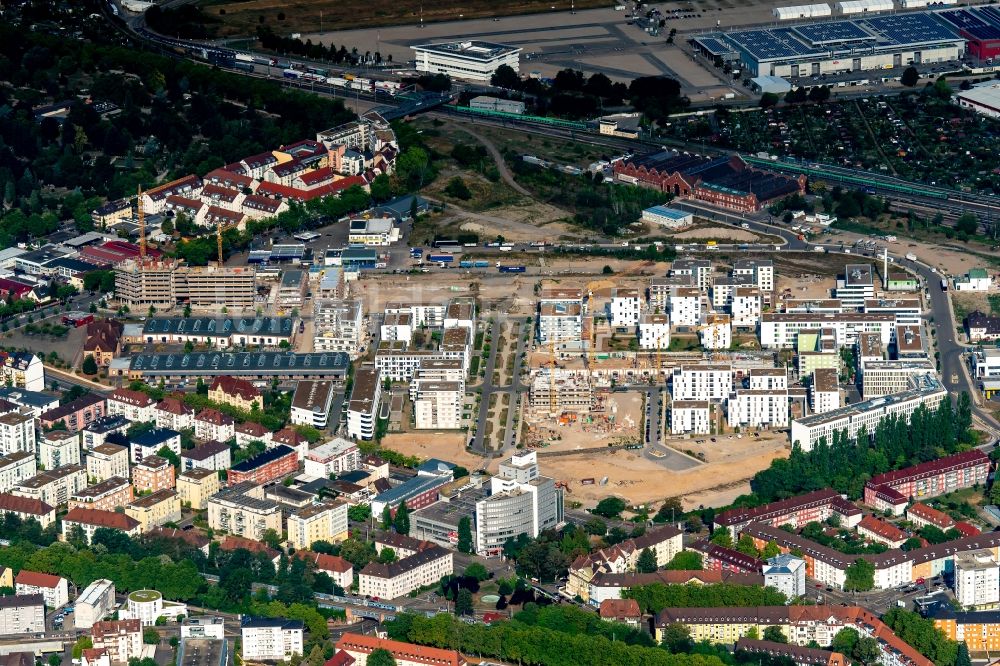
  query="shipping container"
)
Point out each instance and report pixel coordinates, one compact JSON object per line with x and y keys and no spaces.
{"x":482,"y":264}
{"x":465,"y":264}
{"x":440,"y":258}
{"x":512,"y":269}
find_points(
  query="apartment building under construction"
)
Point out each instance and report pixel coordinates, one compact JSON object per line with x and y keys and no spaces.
{"x":554,"y":391}
{"x":164,"y":282}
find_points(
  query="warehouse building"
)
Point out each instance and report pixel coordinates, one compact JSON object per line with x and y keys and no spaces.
{"x":260,"y":366}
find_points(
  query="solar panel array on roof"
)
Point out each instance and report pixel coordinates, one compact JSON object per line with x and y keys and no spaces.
{"x":769,"y":44}
{"x":834,"y":32}
{"x":979,"y":22}
{"x":714,"y":46}
{"x":913,"y":28}
{"x":286,"y":252}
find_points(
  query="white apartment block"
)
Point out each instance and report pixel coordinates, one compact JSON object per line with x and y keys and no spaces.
{"x":807,"y":431}
{"x":396,"y":327}
{"x":690,"y":417}
{"x":136,"y":406}
{"x":747,"y":306}
{"x":338,"y":325}
{"x":430,"y":315}
{"x":654,"y":331}
{"x":771,"y":379}
{"x":759,"y":271}
{"x":723,"y":290}
{"x":391,"y":581}
{"x":461,"y":312}
{"x":825,"y":391}
{"x":270,"y":639}
{"x":700,"y":271}
{"x":559,"y":323}
{"x":906,"y":310}
{"x":437,"y":370}
{"x":702,"y":382}
{"x":336,"y":456}
{"x":660,"y":287}
{"x":362,"y":408}
{"x":54,"y":589}
{"x":16,"y":467}
{"x":986,"y":364}
{"x":977,"y":579}
{"x":243,"y":511}
{"x":717,"y":332}
{"x":625,"y":308}
{"x":685,"y":306}
{"x":17,"y":433}
{"x":58,"y":448}
{"x":394,"y":361}
{"x":880,"y":377}
{"x":438,"y":405}
{"x":53,"y":486}
{"x":780,"y":330}
{"x":758,"y":408}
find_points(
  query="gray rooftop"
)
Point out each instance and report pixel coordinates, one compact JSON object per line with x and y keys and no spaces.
{"x":219,"y":326}
{"x":240,"y":364}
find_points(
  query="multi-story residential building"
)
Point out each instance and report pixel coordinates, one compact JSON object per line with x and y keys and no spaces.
{"x":34,"y":401}
{"x":690,"y":417}
{"x":868,"y":348}
{"x":106,"y":461}
{"x":355,"y":649}
{"x":726,"y":561}
{"x":75,"y":415}
{"x":108,"y":495}
{"x":121,"y":639}
{"x":787,"y":574}
{"x":438,"y":405}
{"x":781,"y":329}
{"x":460,"y":312}
{"x":22,"y":614}
{"x":724,"y":288}
{"x":769,"y":379}
{"x":54,"y":486}
{"x":430,"y":315}
{"x":824,"y":392}
{"x":716,"y":331}
{"x":816,"y":506}
{"x":979,"y":630}
{"x":196,"y":485}
{"x":22,"y":370}
{"x":213,"y":424}
{"x":880,"y":377}
{"x":249,"y":431}
{"x":340,"y":571}
{"x":746,"y":307}
{"x":809,"y":430}
{"x":881,"y":531}
{"x":664,"y":543}
{"x":410,"y":572}
{"x":174,"y":414}
{"x":95,"y":602}
{"x":977,"y":580}
{"x":919,"y":514}
{"x":326,"y":521}
{"x":893,"y":490}
{"x":456,"y":344}
{"x":212,"y":455}
{"x":91,"y":520}
{"x":605,"y":586}
{"x":520,"y":502}
{"x":274,"y":463}
{"x":654,"y":331}
{"x":150,"y":443}
{"x":236,"y":392}
{"x":163,"y":506}
{"x":700,"y":271}
{"x":54,"y":589}
{"x":334,"y":457}
{"x":338,"y":325}
{"x":17,"y":433}
{"x":133,"y":405}
{"x":27,"y":508}
{"x":104,"y":429}
{"x":796,"y":654}
{"x":397,"y":327}
{"x":625,"y":308}
{"x":685,"y":306}
{"x":362,"y":408}
{"x":758,"y":408}
{"x":759,"y":271}
{"x":311,"y":403}
{"x":660,"y":288}
{"x":560,"y":323}
{"x":906,"y":310}
{"x":270,"y":639}
{"x":702,"y":382}
{"x":800,"y":625}
{"x":153,"y":473}
{"x":57,"y":448}
{"x":243,"y":511}
{"x":857,"y":285}
{"x":16,"y":467}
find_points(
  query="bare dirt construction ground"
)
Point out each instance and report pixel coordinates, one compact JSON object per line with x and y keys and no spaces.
{"x":446,"y":445}
{"x":805,"y":286}
{"x":641,"y":480}
{"x":950,"y":257}
{"x":617,"y":423}
{"x":718,"y":233}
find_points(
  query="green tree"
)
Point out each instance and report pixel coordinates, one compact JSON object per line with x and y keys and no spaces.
{"x":457,"y":188}
{"x":168,"y":454}
{"x":866,"y":650}
{"x":463,"y":602}
{"x":610,"y":507}
{"x":910,"y":77}
{"x":746,"y":546}
{"x":767,"y":100}
{"x":860,"y":576}
{"x":387,"y":556}
{"x":677,"y":638}
{"x":359,"y":513}
{"x":686,"y":560}
{"x":775,"y":634}
{"x":381,"y":657}
{"x":722,"y":538}
{"x":81,"y":644}
{"x":401,"y":521}
{"x":968,"y":223}
{"x":595,"y":526}
{"x":478,"y":571}
{"x":89,"y":365}
{"x":465,"y":544}
{"x":962,"y":657}
{"x":386,"y":521}
{"x":770,"y":550}
{"x":150,"y":636}
{"x":646,"y":562}
{"x":844,"y":641}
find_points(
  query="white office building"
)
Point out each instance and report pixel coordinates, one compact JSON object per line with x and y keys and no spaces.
{"x":857,"y":285}
{"x":94,"y":602}
{"x":468,"y":60}
{"x":270,"y":639}
{"x":880,"y":377}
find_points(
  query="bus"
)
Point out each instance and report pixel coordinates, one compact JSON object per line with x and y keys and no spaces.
{"x":944,"y":284}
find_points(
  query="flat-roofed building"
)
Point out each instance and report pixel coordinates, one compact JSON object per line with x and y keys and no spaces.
{"x":882,"y":377}
{"x":274,"y":463}
{"x":55,"y":486}
{"x":270,"y":639}
{"x":469,"y":60}
{"x":325,"y":521}
{"x":857,"y":285}
{"x":438,"y":405}
{"x":690,"y":417}
{"x":824,"y":392}
{"x":22,"y":614}
{"x":153,"y":473}
{"x":243,"y":511}
{"x":781,"y":329}
{"x":17,"y":433}
{"x":106,"y":461}
{"x":654,"y":331}
{"x":335,"y":457}
{"x":195,"y":486}
{"x":712,"y":382}
{"x":102,"y":430}
{"x":95,"y":602}
{"x":338,"y":325}
{"x":57,"y":448}
{"x":108,"y":495}
{"x":16,"y":467}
